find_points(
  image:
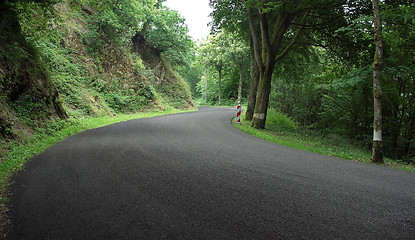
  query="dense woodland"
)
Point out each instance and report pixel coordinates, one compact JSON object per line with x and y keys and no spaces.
{"x":313,"y":61}
{"x":310,"y":60}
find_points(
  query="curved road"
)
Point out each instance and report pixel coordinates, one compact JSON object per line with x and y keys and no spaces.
{"x":195,"y":176}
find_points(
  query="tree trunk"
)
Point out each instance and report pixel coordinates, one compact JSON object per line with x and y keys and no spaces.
{"x":220,"y":83}
{"x":262,"y":100}
{"x":206,"y":86}
{"x":240,"y":85}
{"x":252,"y":89}
{"x":377,"y":149}
{"x":268,"y":57}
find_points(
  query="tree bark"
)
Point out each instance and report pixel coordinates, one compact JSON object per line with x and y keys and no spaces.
{"x":206,"y":86}
{"x":220,"y":83}
{"x":377,"y":149}
{"x":262,"y":99}
{"x":240,"y":85}
{"x":268,"y":58}
{"x":253,"y":88}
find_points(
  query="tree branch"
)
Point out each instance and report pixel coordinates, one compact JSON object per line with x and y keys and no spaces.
{"x":284,"y":20}
{"x":264,"y":30}
{"x":316,"y":26}
{"x":290,"y":46}
{"x":257,"y":51}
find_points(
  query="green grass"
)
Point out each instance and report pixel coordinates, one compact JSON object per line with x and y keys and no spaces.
{"x":17,"y":155}
{"x":280,"y":129}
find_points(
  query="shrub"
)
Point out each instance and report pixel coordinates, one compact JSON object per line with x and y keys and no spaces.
{"x":277,"y":119}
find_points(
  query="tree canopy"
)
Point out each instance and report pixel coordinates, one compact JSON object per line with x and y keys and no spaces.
{"x":311,"y":60}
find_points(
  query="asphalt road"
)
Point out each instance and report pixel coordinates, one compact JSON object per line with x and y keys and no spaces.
{"x":195,"y":176}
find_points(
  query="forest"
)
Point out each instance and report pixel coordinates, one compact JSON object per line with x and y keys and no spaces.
{"x":309,"y":61}
{"x":313,"y":62}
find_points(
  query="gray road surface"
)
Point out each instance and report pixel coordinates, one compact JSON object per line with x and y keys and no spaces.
{"x":195,"y":176}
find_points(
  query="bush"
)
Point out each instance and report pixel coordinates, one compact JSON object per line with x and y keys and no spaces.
{"x":277,"y":119}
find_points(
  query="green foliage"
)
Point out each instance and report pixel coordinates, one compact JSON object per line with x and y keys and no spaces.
{"x":326,"y":83}
{"x":347,"y":105}
{"x":224,"y":54}
{"x":174,"y":94}
{"x":31,"y":107}
{"x":148,"y":24}
{"x":28,"y":94}
{"x":120,"y":20}
{"x":6,"y":128}
{"x":168,"y":33}
{"x":278,"y":120}
{"x":129,"y":100}
{"x":398,"y":80}
{"x":93,"y":39}
{"x":106,"y":77}
{"x":68,"y":74}
{"x":35,"y":18}
{"x":192,"y":75}
{"x":230,"y":15}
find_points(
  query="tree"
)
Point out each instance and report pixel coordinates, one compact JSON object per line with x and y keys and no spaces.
{"x":122,"y":19}
{"x":230,"y":16}
{"x":326,"y":80}
{"x":225,"y":60}
{"x":281,"y":24}
{"x":377,"y":151}
{"x":253,"y":86}
{"x":168,"y":33}
{"x":214,"y":53}
{"x":398,"y":81}
{"x":267,"y":58}
{"x":238,"y":53}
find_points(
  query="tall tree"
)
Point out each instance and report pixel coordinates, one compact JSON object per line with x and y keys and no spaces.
{"x":276,"y":27}
{"x":377,"y":151}
{"x":238,"y":52}
{"x":215,"y":55}
{"x":253,"y":87}
{"x":230,"y":15}
{"x":271,"y":53}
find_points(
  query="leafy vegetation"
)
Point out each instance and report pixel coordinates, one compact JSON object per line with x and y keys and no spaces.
{"x":82,"y":58}
{"x":321,"y":73}
{"x":223,"y":62}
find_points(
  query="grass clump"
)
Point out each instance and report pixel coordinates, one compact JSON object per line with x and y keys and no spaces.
{"x":278,"y":120}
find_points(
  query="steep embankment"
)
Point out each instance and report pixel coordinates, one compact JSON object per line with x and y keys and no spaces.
{"x":28,"y":95}
{"x":59,"y":63}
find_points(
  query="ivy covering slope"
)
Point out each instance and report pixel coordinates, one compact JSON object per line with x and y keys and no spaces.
{"x":80,"y":58}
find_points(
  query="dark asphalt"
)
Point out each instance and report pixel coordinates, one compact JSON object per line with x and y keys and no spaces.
{"x":195,"y":176}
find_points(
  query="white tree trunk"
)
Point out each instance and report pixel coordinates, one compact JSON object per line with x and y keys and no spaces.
{"x":377,"y":150}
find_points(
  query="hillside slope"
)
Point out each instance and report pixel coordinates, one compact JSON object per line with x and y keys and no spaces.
{"x":58,"y":63}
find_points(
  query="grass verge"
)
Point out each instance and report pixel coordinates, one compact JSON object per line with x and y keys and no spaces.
{"x":17,"y":155}
{"x":283,"y":133}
